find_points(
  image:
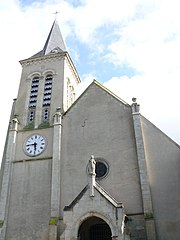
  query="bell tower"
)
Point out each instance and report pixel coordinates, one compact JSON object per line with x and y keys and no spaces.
{"x":30,"y":179}
{"x":49,"y":80}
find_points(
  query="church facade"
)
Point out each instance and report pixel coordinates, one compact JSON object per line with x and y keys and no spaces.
{"x":88,"y":168}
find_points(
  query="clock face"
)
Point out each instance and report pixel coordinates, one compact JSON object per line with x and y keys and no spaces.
{"x":34,"y":145}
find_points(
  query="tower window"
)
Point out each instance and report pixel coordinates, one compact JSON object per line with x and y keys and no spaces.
{"x":33,"y":98}
{"x":31,"y":115}
{"x":45,"y":114}
{"x":47,"y":91}
{"x":70,"y":94}
{"x":34,"y":92}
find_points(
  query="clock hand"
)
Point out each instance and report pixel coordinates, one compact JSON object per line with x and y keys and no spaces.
{"x":35,"y":144}
{"x":29,"y":144}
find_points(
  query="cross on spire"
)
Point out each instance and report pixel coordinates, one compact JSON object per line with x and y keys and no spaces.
{"x":56,"y":14}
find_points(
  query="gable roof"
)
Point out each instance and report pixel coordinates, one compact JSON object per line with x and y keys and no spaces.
{"x":98,"y":84}
{"x":76,"y":200}
{"x":144,"y":119}
{"x":54,"y":42}
{"x":101,"y":191}
{"x":111,"y":93}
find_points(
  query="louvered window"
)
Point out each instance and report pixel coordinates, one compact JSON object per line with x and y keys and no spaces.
{"x":47,"y":91}
{"x":70,"y":94}
{"x":47,"y":97}
{"x":33,"y":98}
{"x":34,"y":92}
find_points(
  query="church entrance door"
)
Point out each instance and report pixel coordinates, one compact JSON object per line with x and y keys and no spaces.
{"x":94,"y":228}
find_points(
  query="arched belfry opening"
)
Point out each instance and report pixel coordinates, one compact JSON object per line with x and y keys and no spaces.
{"x":94,"y":228}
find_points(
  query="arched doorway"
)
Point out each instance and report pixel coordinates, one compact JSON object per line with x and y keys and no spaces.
{"x":94,"y":228}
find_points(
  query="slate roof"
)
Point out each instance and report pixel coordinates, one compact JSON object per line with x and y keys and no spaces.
{"x":54,"y":42}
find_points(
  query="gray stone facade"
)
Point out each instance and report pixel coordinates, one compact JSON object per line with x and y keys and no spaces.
{"x":131,"y":191}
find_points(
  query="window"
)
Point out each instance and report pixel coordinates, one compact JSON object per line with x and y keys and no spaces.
{"x":47,"y":91}
{"x":33,"y":98}
{"x":70,"y":94}
{"x":47,"y":97}
{"x":45,"y":114}
{"x":31,"y":115}
{"x":101,"y":169}
{"x":34,"y":92}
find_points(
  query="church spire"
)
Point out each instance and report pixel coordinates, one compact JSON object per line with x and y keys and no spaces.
{"x":54,"y":42}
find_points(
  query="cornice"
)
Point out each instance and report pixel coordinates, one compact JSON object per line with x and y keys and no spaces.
{"x":45,"y":58}
{"x":52,"y":57}
{"x":72,"y":67}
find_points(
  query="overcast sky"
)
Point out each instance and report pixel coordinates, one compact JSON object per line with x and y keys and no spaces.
{"x":130,"y":46}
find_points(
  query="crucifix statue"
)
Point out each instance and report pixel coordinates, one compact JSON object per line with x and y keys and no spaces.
{"x":92,"y":166}
{"x":92,"y":173}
